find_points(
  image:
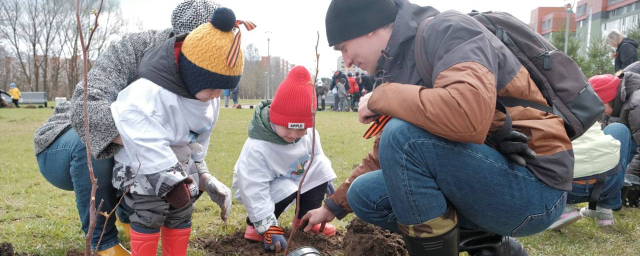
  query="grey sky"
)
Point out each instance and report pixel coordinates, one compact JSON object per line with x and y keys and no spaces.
{"x":294,"y":23}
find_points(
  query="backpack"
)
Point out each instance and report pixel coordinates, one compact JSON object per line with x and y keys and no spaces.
{"x":559,"y":79}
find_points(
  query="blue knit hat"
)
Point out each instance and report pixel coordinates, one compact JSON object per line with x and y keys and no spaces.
{"x":210,"y":57}
{"x":13,"y":85}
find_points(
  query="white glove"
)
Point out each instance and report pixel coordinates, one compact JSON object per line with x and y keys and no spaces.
{"x":219,"y":194}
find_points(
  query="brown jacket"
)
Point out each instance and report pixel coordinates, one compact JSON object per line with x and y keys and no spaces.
{"x":470,"y":67}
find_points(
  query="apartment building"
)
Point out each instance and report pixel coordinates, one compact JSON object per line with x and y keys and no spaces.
{"x":549,"y":20}
{"x":591,"y":18}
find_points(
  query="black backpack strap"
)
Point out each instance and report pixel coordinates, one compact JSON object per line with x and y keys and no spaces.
{"x":422,"y":65}
{"x":512,"y":102}
{"x":595,"y":192}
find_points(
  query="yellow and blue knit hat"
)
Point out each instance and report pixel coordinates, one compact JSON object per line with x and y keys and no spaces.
{"x":211,"y":57}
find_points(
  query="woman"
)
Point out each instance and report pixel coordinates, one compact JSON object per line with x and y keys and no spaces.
{"x":59,"y":143}
{"x":626,"y":49}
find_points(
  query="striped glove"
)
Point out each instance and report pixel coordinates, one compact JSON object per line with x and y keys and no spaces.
{"x":274,"y":239}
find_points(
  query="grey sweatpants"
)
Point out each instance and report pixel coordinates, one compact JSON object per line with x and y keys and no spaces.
{"x":153,"y":212}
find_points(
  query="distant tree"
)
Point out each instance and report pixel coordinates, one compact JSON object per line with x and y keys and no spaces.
{"x":558,"y":40}
{"x":599,"y":58}
{"x":253,"y":79}
{"x":634,"y":32}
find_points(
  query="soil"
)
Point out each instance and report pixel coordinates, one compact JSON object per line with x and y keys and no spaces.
{"x":360,"y":239}
{"x":364,"y":239}
{"x":6,"y":249}
{"x":237,"y":245}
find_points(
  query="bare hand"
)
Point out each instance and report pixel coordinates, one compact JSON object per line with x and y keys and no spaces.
{"x":316,"y":216}
{"x":118,"y":140}
{"x":365,"y":115}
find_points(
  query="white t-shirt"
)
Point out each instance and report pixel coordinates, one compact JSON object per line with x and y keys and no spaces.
{"x":150,"y":119}
{"x":267,"y":173}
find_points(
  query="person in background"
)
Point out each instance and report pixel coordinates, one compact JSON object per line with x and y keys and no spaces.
{"x":321,"y":91}
{"x":597,"y":155}
{"x":334,"y":80}
{"x":59,"y":144}
{"x":353,"y":87}
{"x":620,"y":96}
{"x":15,"y":94}
{"x":226,"y":93}
{"x":234,"y":97}
{"x":626,"y":49}
{"x":342,"y":95}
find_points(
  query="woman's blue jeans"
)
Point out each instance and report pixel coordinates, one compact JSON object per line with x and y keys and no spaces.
{"x":421,"y":173}
{"x":610,"y":195}
{"x":64,"y":165}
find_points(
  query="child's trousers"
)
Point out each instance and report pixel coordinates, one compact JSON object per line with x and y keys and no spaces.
{"x":309,"y":200}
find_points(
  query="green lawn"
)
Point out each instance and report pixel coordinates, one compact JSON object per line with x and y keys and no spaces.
{"x":38,"y":218}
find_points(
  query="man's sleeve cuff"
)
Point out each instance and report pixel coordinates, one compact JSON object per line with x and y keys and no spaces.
{"x":338,"y":211}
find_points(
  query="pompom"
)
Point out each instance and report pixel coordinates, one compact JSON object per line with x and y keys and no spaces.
{"x":223,"y":19}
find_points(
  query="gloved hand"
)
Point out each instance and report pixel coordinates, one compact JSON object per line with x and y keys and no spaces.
{"x":219,"y":194}
{"x":515,"y":148}
{"x":274,"y":239}
{"x":180,"y":195}
{"x":183,"y":153}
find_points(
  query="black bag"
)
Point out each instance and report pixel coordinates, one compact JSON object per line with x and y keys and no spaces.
{"x":559,"y":79}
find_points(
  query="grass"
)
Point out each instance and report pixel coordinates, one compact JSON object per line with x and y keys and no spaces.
{"x":38,"y":218}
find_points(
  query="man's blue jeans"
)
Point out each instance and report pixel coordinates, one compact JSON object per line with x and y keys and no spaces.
{"x":610,"y":195}
{"x":64,"y":165}
{"x":422,"y":172}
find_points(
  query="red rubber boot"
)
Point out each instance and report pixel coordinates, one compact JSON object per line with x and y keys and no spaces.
{"x":175,"y":241}
{"x":144,"y":244}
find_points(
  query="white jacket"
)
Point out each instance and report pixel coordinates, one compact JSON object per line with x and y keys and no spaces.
{"x":595,"y":152}
{"x":150,"y":118}
{"x":267,"y":173}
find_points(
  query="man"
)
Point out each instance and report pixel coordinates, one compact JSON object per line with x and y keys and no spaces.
{"x":430,"y":176}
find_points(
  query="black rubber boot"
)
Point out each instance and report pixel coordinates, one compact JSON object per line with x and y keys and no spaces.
{"x":443,"y":245}
{"x":483,"y":243}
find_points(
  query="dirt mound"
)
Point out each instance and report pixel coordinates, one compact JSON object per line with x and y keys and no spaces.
{"x":6,"y":249}
{"x":236,"y":244}
{"x":364,"y":239}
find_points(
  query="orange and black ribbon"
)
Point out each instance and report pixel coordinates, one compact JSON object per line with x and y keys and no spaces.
{"x":232,"y":57}
{"x":376,"y":127}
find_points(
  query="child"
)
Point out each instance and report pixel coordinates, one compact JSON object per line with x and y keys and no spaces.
{"x":15,"y":94}
{"x":274,"y":157}
{"x":597,"y":154}
{"x":175,"y":103}
{"x":620,"y":96}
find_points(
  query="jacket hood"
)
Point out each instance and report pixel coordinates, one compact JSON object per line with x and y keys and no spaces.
{"x":630,"y":83}
{"x":405,"y":28}
{"x":260,"y":126}
{"x":159,"y":66}
{"x":629,"y":41}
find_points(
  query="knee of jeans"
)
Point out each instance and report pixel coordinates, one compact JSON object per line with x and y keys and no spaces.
{"x":618,"y":131}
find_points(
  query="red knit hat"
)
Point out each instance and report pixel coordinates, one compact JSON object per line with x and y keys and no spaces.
{"x":294,"y":101}
{"x":606,"y":86}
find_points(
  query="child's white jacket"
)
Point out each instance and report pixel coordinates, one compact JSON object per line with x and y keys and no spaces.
{"x":267,"y":173}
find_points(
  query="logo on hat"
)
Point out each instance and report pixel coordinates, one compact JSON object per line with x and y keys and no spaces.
{"x":296,"y":125}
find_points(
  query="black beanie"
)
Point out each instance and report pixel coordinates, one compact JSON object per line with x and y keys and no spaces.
{"x":348,"y":19}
